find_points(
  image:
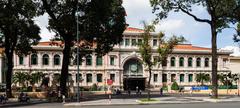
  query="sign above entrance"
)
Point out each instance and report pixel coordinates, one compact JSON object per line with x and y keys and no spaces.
{"x":109,"y":82}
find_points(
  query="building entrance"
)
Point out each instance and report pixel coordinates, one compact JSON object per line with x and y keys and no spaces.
{"x":133,"y":83}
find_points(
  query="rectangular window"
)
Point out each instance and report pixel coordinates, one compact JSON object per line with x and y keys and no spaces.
{"x":21,"y":60}
{"x":127,"y":42}
{"x":190,"y":77}
{"x":112,"y":60}
{"x":121,"y":43}
{"x":99,"y":61}
{"x":173,"y":77}
{"x":155,"y":77}
{"x":154,"y":42}
{"x":134,"y":42}
{"x":112,"y":77}
{"x":164,"y":78}
{"x":139,"y":41}
{"x":89,"y":78}
{"x":181,"y":77}
{"x":80,"y":77}
{"x":99,"y":77}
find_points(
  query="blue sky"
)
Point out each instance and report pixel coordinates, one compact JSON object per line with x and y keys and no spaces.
{"x":176,"y":24}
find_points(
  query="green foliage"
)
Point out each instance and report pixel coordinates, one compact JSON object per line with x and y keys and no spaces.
{"x":175,"y":86}
{"x":21,"y":78}
{"x":94,"y":87}
{"x":202,"y":77}
{"x":101,"y":24}
{"x":35,"y":77}
{"x":223,"y":14}
{"x":19,"y":32}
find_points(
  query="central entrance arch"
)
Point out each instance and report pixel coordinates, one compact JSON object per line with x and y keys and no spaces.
{"x":133,"y":75}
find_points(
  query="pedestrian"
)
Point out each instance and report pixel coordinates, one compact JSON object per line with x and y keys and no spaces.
{"x":161,"y":91}
{"x":137,"y":90}
{"x":129,"y":92}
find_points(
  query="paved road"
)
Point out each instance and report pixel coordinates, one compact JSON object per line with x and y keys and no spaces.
{"x":195,"y":105}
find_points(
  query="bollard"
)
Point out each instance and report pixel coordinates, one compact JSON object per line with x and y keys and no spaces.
{"x":109,"y":97}
{"x":63,"y":98}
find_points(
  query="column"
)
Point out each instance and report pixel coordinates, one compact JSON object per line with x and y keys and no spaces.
{"x":185,"y":62}
{"x":168,"y":62}
{"x":50,"y":78}
{"x":186,"y":78}
{"x":51,"y":64}
{"x":39,"y":59}
{"x":168,"y":78}
{"x":178,"y":78}
{"x":94,"y":77}
{"x":160,"y":79}
{"x":194,"y":62}
{"x":74,"y":79}
{"x":177,"y":61}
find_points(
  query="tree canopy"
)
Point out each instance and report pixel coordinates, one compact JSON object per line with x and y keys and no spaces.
{"x":19,"y":32}
{"x":223,"y":13}
{"x":101,"y":24}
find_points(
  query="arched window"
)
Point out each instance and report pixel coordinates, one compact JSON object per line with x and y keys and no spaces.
{"x":45,"y":59}
{"x":56,"y":59}
{"x":89,"y":60}
{"x":34,"y":59}
{"x":172,"y":61}
{"x":190,"y":62}
{"x":198,"y":62}
{"x":206,"y":62}
{"x":181,"y":62}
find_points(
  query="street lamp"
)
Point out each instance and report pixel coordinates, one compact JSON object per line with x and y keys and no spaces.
{"x":78,"y":74}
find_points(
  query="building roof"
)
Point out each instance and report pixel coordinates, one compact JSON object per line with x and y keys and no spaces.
{"x":133,"y":30}
{"x":190,"y":47}
{"x":179,"y":47}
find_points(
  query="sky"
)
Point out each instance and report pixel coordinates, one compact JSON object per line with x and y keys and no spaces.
{"x":178,"y":24}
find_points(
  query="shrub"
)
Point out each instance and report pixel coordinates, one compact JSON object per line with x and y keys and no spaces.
{"x":94,"y":87}
{"x":174,"y":86}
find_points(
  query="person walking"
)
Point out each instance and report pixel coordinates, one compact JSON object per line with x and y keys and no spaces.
{"x":161,"y":91}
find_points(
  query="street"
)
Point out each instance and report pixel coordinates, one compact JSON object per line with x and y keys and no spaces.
{"x":192,"y":105}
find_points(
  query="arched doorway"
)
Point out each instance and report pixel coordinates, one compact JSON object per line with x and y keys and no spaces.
{"x":133,"y":75}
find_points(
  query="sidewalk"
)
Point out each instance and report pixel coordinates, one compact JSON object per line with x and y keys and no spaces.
{"x":160,"y":100}
{"x":14,"y":102}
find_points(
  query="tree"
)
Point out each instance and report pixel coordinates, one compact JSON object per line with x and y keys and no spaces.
{"x":100,"y":21}
{"x":35,"y":78}
{"x":21,"y":78}
{"x":228,"y":79}
{"x":19,"y":31}
{"x":222,"y":14}
{"x":175,"y":86}
{"x":164,"y":49}
{"x":202,"y":77}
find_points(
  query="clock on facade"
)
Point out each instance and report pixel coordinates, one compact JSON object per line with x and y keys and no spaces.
{"x":134,"y":67}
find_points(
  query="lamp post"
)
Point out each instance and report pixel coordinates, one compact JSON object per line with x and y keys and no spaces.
{"x":78,"y":87}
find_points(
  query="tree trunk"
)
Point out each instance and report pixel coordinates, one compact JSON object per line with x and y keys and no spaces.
{"x":9,"y":55}
{"x":149,"y":82}
{"x":64,"y":71}
{"x":214,"y":60}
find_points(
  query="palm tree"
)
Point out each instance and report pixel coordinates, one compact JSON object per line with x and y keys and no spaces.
{"x":202,"y":77}
{"x":21,"y":78}
{"x":35,"y":78}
